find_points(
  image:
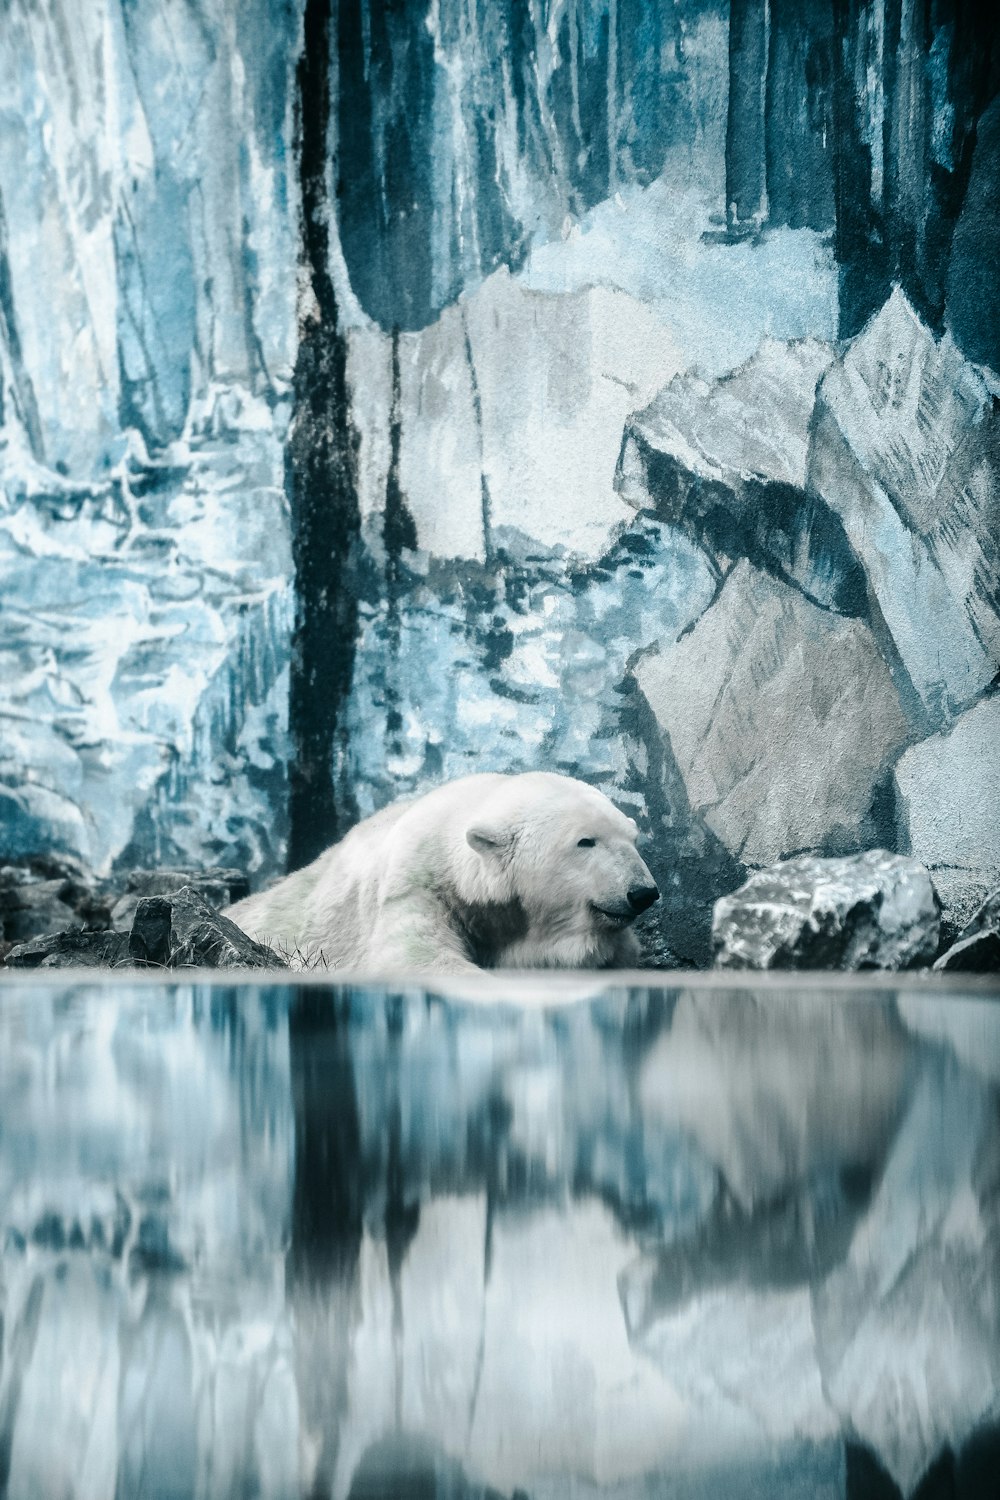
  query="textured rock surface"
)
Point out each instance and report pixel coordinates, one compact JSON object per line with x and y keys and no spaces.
{"x":976,"y":950}
{"x":727,"y":463}
{"x":183,"y":931}
{"x":179,"y":929}
{"x":868,"y":911}
{"x":906,"y":451}
{"x":782,"y":718}
{"x":44,"y":894}
{"x":947,"y":792}
{"x":70,"y":950}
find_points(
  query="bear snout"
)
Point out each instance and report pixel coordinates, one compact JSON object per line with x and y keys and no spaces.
{"x":641,"y":897}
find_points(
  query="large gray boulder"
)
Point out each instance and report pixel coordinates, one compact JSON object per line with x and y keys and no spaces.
{"x":868,"y":911}
{"x":782,"y":717}
{"x":947,"y":793}
{"x":906,"y":452}
{"x":727,"y":463}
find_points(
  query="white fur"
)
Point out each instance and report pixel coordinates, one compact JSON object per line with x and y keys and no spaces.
{"x":486,"y":871}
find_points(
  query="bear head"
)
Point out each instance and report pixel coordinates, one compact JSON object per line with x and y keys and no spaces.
{"x":561,"y":854}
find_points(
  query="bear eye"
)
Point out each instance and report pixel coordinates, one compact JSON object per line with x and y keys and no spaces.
{"x":586,"y":843}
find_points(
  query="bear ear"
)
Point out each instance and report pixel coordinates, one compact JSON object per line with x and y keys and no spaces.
{"x":491,"y":840}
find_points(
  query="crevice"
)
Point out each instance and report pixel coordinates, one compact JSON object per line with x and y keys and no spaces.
{"x":321,"y":483}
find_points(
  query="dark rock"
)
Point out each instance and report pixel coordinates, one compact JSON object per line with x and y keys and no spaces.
{"x":977,"y":948}
{"x":961,"y":893}
{"x":149,"y":938}
{"x":42,"y":894}
{"x":180,"y":929}
{"x":183,"y":931}
{"x":906,"y":451}
{"x":782,"y":717}
{"x":219,"y":887}
{"x":71,"y":950}
{"x":868,"y":911}
{"x":727,"y":464}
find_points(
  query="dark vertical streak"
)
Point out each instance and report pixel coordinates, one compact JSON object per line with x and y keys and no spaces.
{"x":973,"y":83}
{"x":905,"y":138}
{"x":23,"y":391}
{"x":940,"y":61}
{"x":398,"y":534}
{"x":402,"y":1215}
{"x":799,"y":134}
{"x":485,"y":499}
{"x":859,"y":241}
{"x":328,"y":1192}
{"x":321,"y":479}
{"x":746,"y":188}
{"x":398,"y":530}
{"x":327,"y":1213}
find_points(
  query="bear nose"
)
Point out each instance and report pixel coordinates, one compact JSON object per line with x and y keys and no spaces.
{"x":641,"y":896}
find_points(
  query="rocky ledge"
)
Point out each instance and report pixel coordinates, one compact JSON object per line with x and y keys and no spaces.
{"x":874,"y":910}
{"x":55,"y":916}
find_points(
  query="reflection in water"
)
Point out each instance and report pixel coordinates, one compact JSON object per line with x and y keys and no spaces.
{"x":282,"y":1241}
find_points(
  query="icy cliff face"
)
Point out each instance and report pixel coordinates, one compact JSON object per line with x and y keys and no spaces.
{"x":145,"y":628}
{"x":467,"y":131}
{"x":149,"y":239}
{"x":147,"y":333}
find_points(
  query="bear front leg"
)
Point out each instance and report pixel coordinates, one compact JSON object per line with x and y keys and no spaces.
{"x":413,"y":935}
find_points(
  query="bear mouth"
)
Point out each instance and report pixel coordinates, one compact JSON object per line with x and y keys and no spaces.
{"x":614,"y":917}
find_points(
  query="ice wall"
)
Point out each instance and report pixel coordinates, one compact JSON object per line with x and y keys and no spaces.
{"x":148,"y":242}
{"x":421,"y":351}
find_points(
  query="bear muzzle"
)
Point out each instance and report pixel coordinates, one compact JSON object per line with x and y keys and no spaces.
{"x":641,"y":897}
{"x":638,"y":899}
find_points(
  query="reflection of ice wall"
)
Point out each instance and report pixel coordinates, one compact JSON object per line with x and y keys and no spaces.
{"x":650,"y":1243}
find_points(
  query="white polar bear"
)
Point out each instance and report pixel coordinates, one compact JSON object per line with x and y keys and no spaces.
{"x":488,"y":872}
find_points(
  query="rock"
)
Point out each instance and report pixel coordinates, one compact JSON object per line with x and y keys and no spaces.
{"x":947,"y":789}
{"x":541,"y":449}
{"x":961,"y":893}
{"x":183,"y":931}
{"x":977,"y":948}
{"x":906,"y":451}
{"x":43,"y":894}
{"x":149,"y":937}
{"x":782,"y":717}
{"x":71,"y":950}
{"x":179,"y":930}
{"x":869,"y":911}
{"x":727,"y":463}
{"x":219,"y":887}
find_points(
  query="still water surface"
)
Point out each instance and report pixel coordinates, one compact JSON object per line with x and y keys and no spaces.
{"x":717,"y":1240}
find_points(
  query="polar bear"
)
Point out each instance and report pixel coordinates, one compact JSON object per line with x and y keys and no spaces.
{"x":487,"y":872}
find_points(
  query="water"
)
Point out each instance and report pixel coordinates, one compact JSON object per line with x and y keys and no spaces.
{"x":714,"y":1239}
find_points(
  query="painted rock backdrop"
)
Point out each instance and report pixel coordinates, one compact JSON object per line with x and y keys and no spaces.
{"x":394,"y":391}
